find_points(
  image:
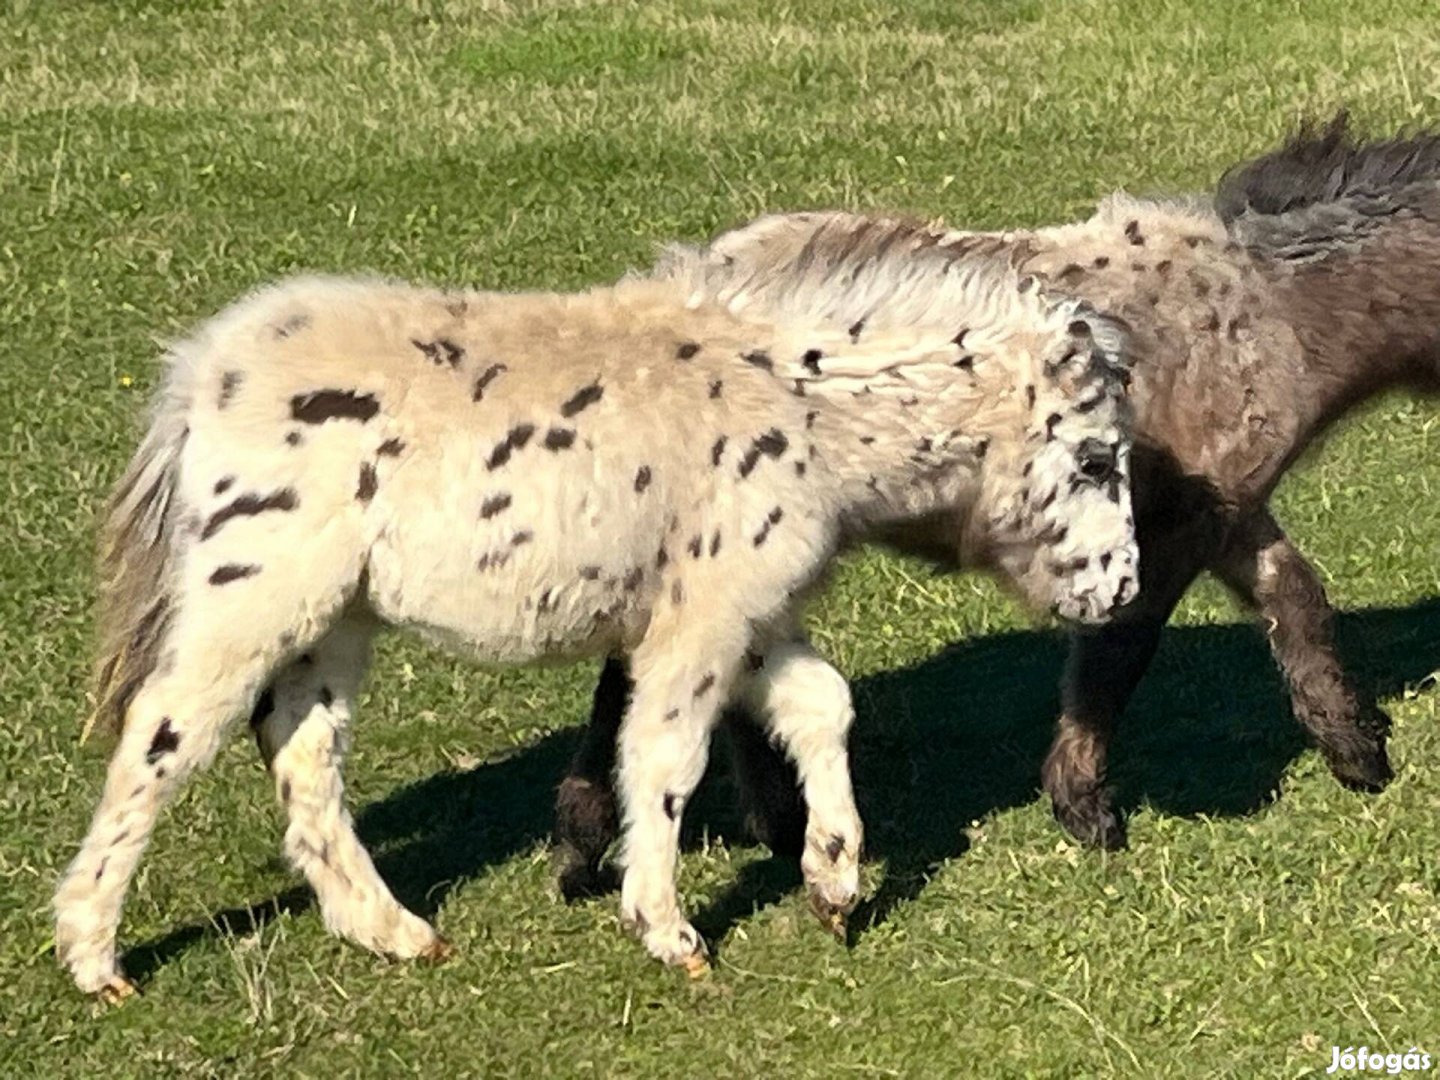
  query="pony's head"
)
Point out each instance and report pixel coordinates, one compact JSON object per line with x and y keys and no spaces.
{"x":1054,"y":517}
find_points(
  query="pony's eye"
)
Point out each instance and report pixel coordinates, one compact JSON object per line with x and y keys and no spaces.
{"x":1096,"y":459}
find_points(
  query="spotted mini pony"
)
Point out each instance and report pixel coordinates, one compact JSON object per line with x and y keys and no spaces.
{"x":660,"y":469}
{"x":1309,"y":282}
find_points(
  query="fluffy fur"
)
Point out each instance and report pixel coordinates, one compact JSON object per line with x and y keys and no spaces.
{"x":660,"y":469}
{"x":1312,"y":283}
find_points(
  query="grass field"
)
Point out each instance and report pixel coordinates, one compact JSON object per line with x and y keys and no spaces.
{"x":159,"y":159}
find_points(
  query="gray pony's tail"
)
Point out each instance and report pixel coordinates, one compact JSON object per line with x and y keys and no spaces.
{"x":136,"y":558}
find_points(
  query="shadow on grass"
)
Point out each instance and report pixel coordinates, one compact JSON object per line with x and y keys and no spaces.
{"x":937,"y":746}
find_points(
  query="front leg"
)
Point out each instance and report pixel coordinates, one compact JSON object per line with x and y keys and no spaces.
{"x":1269,"y":574}
{"x":1105,"y":665}
{"x":805,"y":704}
{"x":683,"y":672}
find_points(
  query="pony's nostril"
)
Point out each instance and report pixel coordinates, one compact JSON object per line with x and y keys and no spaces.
{"x":1096,"y":460}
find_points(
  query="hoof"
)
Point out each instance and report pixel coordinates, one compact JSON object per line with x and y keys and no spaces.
{"x":1364,"y":767}
{"x":117,"y":991}
{"x":437,"y":952}
{"x":696,"y":965}
{"x":580,"y":878}
{"x":832,"y":916}
{"x":1090,"y":819}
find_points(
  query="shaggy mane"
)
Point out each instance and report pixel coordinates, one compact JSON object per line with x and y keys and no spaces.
{"x":1325,"y":164}
{"x":883,"y":274}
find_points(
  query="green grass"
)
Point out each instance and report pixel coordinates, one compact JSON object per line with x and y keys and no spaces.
{"x":158,"y":159}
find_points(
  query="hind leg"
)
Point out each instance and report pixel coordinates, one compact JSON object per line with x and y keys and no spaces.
{"x":301,"y":725}
{"x":208,"y":676}
{"x":807,"y":708}
{"x":1268,"y":573}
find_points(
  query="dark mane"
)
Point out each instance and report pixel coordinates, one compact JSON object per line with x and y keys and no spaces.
{"x":1325,"y":164}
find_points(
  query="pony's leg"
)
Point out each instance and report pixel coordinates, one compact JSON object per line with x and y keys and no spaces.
{"x":219,"y":654}
{"x":300,"y":725}
{"x":1268,"y":573}
{"x":807,"y":706}
{"x":586,"y":822}
{"x":1104,"y":667}
{"x":683,"y":672}
{"x":770,"y":787}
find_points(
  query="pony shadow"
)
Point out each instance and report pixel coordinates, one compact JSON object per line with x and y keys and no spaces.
{"x":935,"y":747}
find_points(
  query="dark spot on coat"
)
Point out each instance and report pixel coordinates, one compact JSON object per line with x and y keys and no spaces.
{"x":517,"y":438}
{"x":1025,"y":284}
{"x":440,"y":352}
{"x":1163,"y":267}
{"x":166,"y":741}
{"x":704,"y":686}
{"x":715,"y":544}
{"x":233,"y":572}
{"x":760,"y":359}
{"x":590,"y":573}
{"x":1071,"y":273}
{"x":1212,"y":324}
{"x":810,"y":419}
{"x":811,"y":361}
{"x":293,"y":325}
{"x":671,"y":804}
{"x":835,"y":848}
{"x":521,"y":538}
{"x":293,"y":438}
{"x":857,"y":328}
{"x":1132,"y":233}
{"x":867,"y":440}
{"x":100,"y":872}
{"x":559,"y":439}
{"x":1050,"y":422}
{"x":391,"y":448}
{"x":799,"y":388}
{"x":319,"y":406}
{"x":633,"y":579}
{"x":775,"y":515}
{"x":687,"y":350}
{"x":582,"y":399}
{"x":485,"y":378}
{"x":1101,"y":261}
{"x":799,"y":468}
{"x":718,"y":450}
{"x":772,"y":443}
{"x":959,"y":339}
{"x":369,"y":483}
{"x":494,"y":504}
{"x":716,"y":387}
{"x":642,"y":478}
{"x":1030,"y":396}
{"x":249,"y":506}
{"x":229,"y":383}
{"x":694,"y":546}
{"x":965,"y":363}
{"x":754,"y":661}
{"x":662,"y":558}
{"x":223,"y":484}
{"x":677,"y":593}
{"x":672,"y":715}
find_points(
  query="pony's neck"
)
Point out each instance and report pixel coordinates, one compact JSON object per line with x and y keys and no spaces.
{"x":1368,"y":321}
{"x":895,"y":453}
